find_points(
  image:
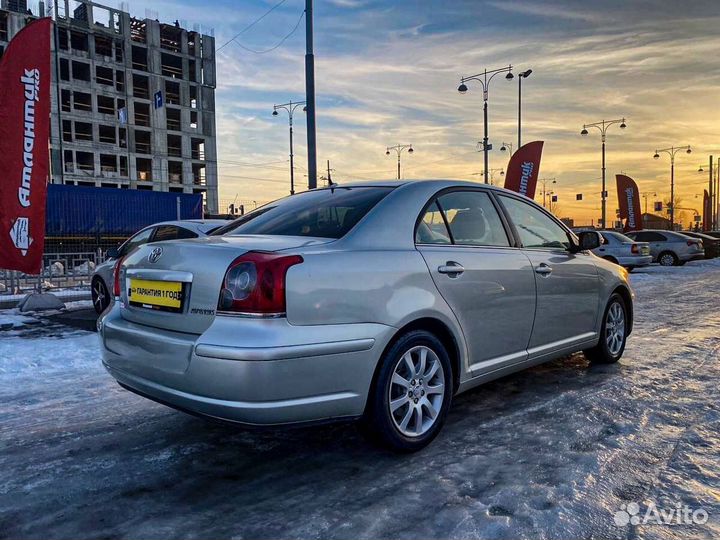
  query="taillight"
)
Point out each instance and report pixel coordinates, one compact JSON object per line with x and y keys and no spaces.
{"x":635,"y":249}
{"x":255,"y":284}
{"x":697,"y":243}
{"x":116,"y":278}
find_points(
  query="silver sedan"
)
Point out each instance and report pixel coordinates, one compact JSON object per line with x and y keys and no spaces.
{"x":377,"y":302}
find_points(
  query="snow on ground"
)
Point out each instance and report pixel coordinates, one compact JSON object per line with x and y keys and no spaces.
{"x":552,"y":452}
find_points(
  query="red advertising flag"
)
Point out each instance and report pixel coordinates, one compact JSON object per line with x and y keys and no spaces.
{"x":24,"y":151}
{"x":629,"y":203}
{"x":706,"y":211}
{"x":523,"y":169}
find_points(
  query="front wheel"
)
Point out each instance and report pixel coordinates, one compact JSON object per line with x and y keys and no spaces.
{"x":412,"y":393}
{"x":613,"y":333}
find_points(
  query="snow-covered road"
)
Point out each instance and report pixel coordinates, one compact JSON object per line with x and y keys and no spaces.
{"x":552,"y":452}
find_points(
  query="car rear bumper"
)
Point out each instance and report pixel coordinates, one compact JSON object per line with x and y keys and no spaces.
{"x":282,"y":374}
{"x":635,"y":261}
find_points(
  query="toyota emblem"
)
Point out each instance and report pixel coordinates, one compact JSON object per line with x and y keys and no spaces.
{"x":155,"y":255}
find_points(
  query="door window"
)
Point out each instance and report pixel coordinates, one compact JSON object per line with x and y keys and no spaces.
{"x":536,"y":229}
{"x":432,"y":229}
{"x":473,"y":219}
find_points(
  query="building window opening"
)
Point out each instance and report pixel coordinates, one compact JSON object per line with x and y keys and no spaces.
{"x":142,"y":142}
{"x":175,"y":172}
{"x":171,"y":66}
{"x":139,"y":58}
{"x":142,"y":114}
{"x":83,"y":131}
{"x":82,"y":101}
{"x":107,"y":134}
{"x":144,"y":169}
{"x":173,"y":119}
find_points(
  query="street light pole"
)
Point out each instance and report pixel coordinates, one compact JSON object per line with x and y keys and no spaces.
{"x":290,"y":108}
{"x":671,"y":152}
{"x":544,"y":185}
{"x":484,"y":79}
{"x":398,"y":148}
{"x":310,"y":95}
{"x":603,"y":126}
{"x":522,"y":75}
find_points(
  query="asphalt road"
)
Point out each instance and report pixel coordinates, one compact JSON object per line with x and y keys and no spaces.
{"x":551,"y":452}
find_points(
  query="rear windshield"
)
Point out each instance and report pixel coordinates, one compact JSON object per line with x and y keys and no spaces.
{"x":326,"y":213}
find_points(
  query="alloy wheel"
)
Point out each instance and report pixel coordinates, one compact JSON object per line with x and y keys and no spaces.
{"x":99,"y":295}
{"x":416,"y":391}
{"x":615,"y":328}
{"x":667,"y":260}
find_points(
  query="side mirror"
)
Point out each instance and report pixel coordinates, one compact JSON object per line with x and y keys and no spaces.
{"x":588,"y":240}
{"x":112,"y":253}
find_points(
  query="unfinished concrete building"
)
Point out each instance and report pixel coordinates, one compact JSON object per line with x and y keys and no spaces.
{"x":133,"y":100}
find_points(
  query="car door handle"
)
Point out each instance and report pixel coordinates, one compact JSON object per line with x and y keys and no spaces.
{"x":543,"y":269}
{"x":452,"y":268}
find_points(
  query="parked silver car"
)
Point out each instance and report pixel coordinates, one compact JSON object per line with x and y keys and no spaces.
{"x":619,"y":249}
{"x":102,"y":280}
{"x":670,"y":248}
{"x":374,"y":301}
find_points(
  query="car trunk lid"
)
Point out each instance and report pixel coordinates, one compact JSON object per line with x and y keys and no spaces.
{"x":175,"y":285}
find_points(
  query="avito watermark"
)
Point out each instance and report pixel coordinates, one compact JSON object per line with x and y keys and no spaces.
{"x":680,"y":514}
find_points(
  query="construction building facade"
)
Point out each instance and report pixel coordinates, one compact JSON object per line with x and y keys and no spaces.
{"x":133,"y":100}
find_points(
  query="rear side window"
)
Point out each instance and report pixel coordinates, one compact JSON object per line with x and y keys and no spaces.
{"x":471,"y":217}
{"x":143,"y":237}
{"x":649,"y":236}
{"x":325,"y":213}
{"x":172,"y":232}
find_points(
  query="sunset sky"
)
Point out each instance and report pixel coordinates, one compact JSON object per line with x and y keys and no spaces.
{"x":387,"y":73}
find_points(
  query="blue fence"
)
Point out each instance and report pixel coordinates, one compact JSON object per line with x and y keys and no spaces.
{"x":102,"y":212}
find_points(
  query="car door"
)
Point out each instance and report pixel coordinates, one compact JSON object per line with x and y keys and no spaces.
{"x":489,"y":284}
{"x":567,"y":283}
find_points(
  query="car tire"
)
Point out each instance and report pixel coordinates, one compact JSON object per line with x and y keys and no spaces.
{"x":100,"y":295}
{"x":613,"y":333}
{"x":668,"y":258}
{"x":414,"y":381}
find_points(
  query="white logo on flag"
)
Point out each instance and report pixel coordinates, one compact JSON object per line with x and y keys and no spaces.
{"x":20,"y":234}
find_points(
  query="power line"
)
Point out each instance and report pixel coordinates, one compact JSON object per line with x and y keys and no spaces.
{"x":279,"y":44}
{"x":249,"y":26}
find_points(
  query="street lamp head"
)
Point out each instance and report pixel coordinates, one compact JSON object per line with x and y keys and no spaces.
{"x":275,"y":113}
{"x":410,"y":150}
{"x":502,"y":173}
{"x":387,"y":152}
{"x":503,"y":148}
{"x":462,"y":88}
{"x":656,"y":156}
{"x":584,"y":132}
{"x":689,"y":151}
{"x":509,"y":76}
{"x":305,"y":108}
{"x":526,"y":74}
{"x":700,"y":169}
{"x":623,"y":125}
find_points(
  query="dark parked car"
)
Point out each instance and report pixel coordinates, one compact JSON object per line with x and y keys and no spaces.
{"x":714,"y":234}
{"x":710,"y":243}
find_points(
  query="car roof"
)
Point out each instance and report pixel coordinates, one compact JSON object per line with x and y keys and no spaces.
{"x":439,"y":183}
